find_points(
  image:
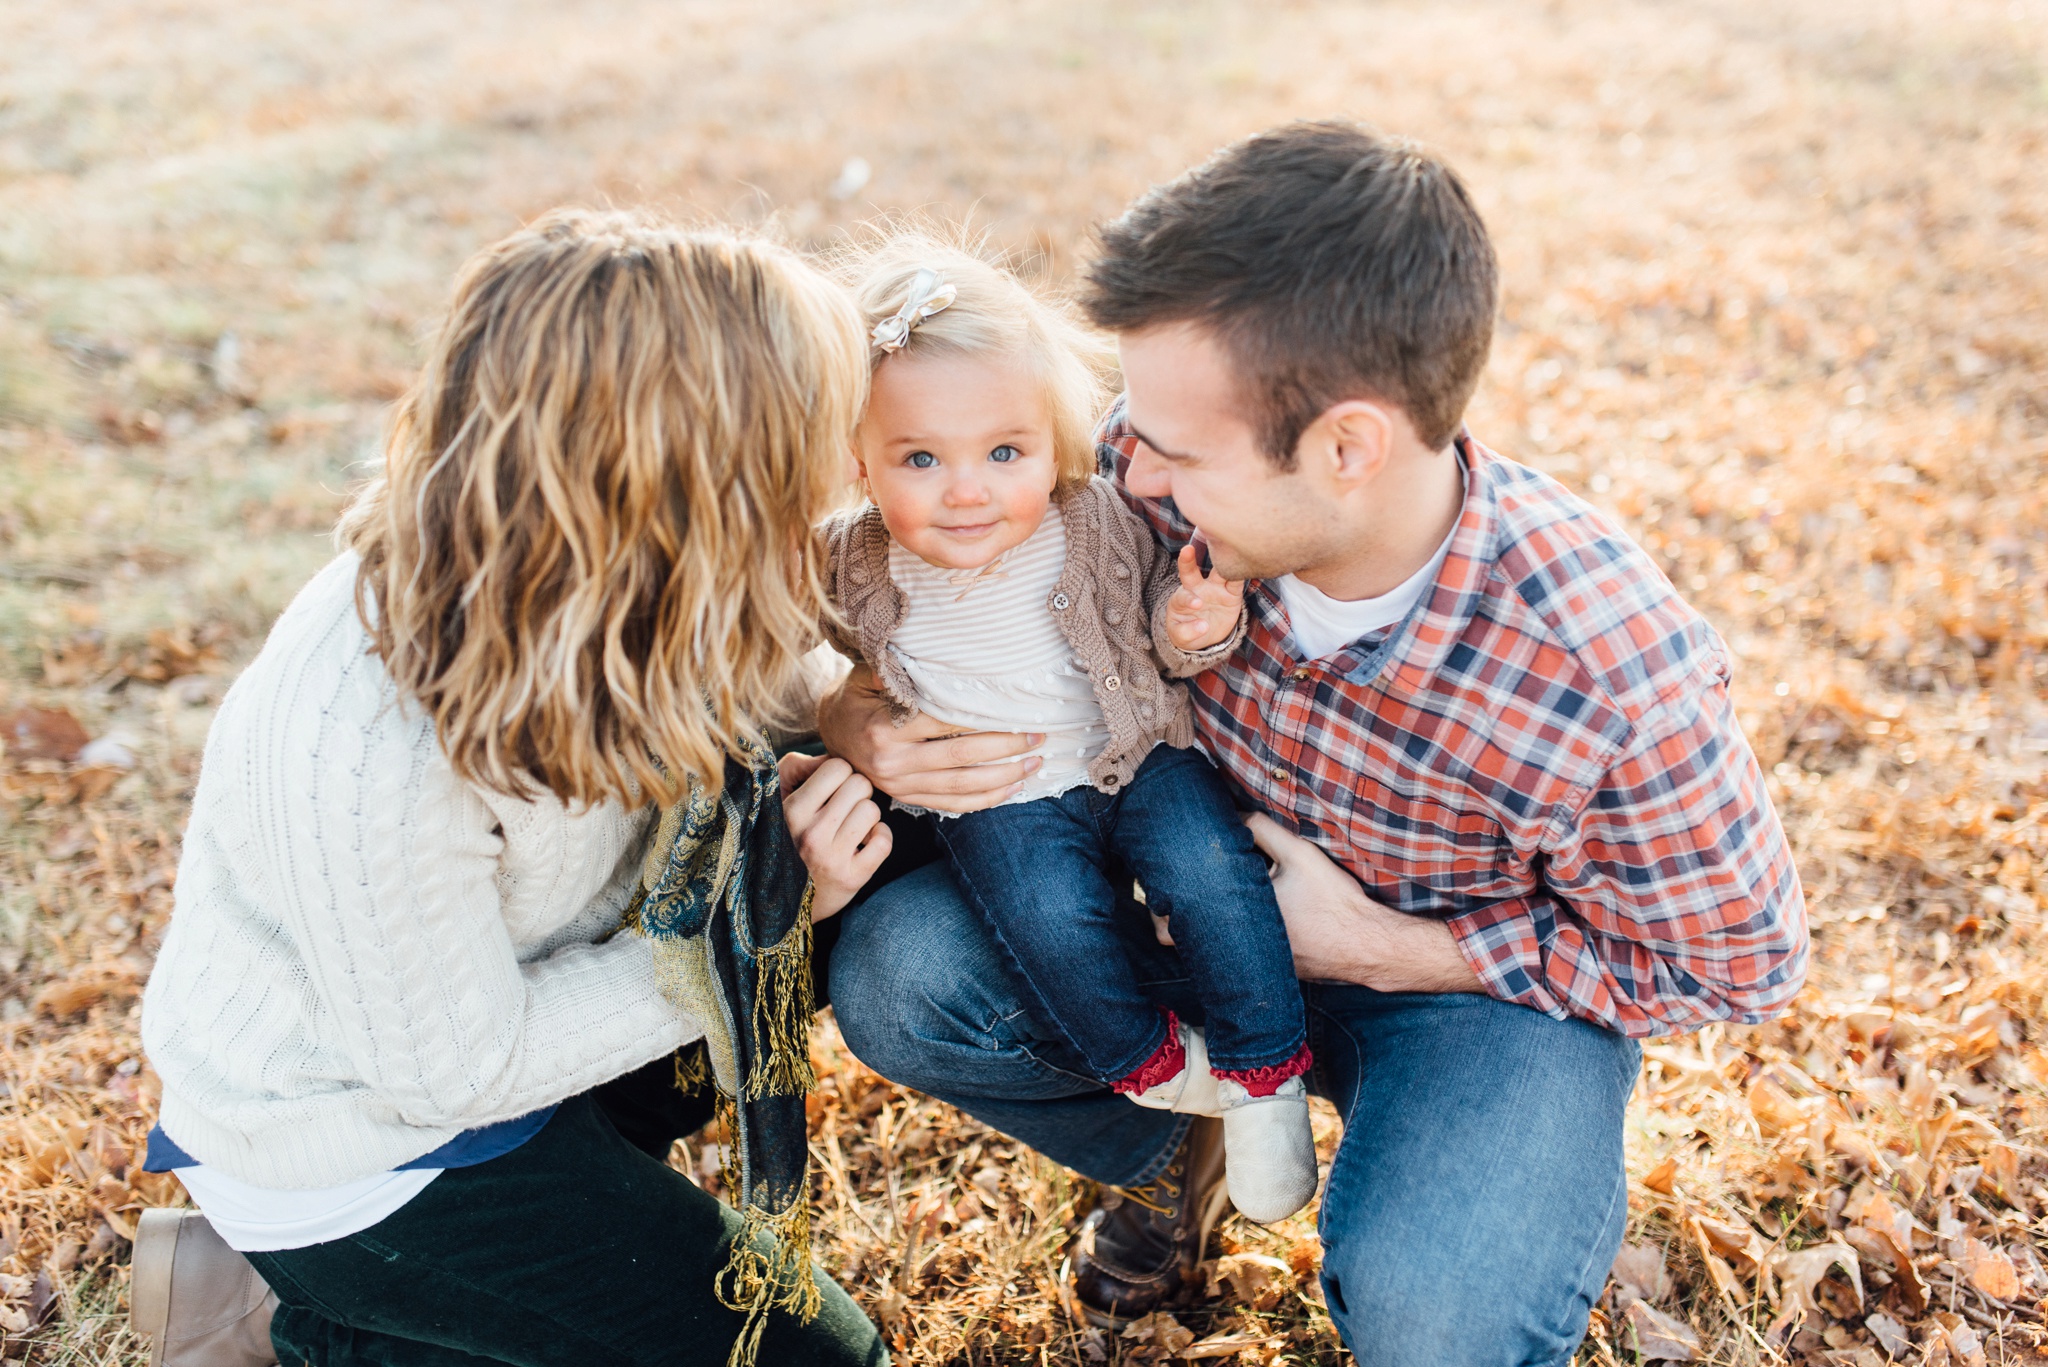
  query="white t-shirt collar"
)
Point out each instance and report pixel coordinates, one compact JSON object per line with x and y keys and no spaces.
{"x":1324,"y":625}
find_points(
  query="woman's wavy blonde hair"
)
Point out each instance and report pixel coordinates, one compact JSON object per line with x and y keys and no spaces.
{"x":993,"y":312}
{"x":589,"y":554}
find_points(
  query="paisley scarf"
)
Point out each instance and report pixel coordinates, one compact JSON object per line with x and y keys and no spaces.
{"x":727,"y":902}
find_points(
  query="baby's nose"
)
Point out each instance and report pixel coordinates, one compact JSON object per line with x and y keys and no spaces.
{"x":966,"y":490}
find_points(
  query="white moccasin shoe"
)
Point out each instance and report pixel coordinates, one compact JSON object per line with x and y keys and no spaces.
{"x":1269,"y":1151}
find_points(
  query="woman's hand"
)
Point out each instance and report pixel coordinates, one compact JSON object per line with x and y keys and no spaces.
{"x":837,"y":827}
{"x":1205,"y":608}
{"x":922,"y":762}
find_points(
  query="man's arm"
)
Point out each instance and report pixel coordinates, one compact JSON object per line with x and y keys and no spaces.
{"x":1670,"y":897}
{"x":922,"y":762}
{"x":1671,"y":900}
{"x":1341,"y":935}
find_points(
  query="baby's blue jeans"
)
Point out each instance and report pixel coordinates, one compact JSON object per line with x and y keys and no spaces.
{"x":1046,"y":878}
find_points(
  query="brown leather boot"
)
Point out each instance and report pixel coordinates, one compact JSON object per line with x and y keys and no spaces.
{"x":1139,"y":1245}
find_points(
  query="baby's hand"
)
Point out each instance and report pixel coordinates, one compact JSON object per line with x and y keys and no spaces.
{"x":838,"y":829}
{"x":1204,"y":609}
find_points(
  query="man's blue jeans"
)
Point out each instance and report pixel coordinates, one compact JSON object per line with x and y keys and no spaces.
{"x":1477,"y":1198}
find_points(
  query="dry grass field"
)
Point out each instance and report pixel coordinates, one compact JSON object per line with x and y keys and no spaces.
{"x":1776,"y":293}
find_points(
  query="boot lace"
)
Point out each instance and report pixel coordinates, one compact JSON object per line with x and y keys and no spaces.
{"x":1160,"y":1195}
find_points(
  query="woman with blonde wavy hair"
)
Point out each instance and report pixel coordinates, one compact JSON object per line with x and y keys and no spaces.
{"x":411,"y":1074}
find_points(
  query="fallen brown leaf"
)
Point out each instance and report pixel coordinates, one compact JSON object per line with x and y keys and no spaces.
{"x":1740,"y":1244}
{"x":1891,"y":1336}
{"x":87,"y":986}
{"x":1255,"y":1280}
{"x":1990,"y":1270}
{"x":1160,"y":1330}
{"x":1799,"y":1272}
{"x":1963,"y":1343}
{"x":1660,"y":1338}
{"x":1774,"y":1108}
{"x":1877,"y":1236}
{"x":1640,"y":1269}
{"x":1227,"y":1345}
{"x":42,"y":733}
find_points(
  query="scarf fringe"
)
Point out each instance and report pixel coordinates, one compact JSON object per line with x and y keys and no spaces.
{"x":693,"y":1070}
{"x":770,"y":1265}
{"x":770,"y":1269}
{"x":783,"y":1007}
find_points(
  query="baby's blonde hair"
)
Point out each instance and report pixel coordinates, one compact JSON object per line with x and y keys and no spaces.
{"x":589,"y":554}
{"x":992,"y":313}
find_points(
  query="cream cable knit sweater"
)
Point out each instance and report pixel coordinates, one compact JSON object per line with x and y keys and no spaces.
{"x":369,"y":956}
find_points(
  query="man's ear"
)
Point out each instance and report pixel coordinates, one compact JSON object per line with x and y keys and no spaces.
{"x":1353,"y":440}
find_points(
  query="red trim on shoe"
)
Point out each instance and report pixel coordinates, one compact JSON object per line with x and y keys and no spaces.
{"x":1166,"y":1063}
{"x":1266,"y":1081}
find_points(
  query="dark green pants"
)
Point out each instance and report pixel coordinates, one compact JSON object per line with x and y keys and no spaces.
{"x":579,"y":1247}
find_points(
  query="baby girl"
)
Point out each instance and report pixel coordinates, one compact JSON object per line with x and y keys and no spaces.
{"x":995,"y":581}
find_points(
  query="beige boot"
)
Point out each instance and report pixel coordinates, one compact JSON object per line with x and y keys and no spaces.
{"x":198,"y":1301}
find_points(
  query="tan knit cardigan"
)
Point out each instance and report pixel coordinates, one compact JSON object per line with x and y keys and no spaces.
{"x":1110,"y":603}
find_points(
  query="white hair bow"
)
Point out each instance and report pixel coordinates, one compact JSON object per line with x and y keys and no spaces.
{"x":928,"y":295}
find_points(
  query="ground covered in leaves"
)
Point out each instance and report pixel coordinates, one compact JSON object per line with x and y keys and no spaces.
{"x":1774,"y":294}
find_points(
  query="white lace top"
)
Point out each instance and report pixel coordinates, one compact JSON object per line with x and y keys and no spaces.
{"x":986,"y":654}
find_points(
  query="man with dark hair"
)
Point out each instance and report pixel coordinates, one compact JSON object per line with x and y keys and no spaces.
{"x":1514,"y":825}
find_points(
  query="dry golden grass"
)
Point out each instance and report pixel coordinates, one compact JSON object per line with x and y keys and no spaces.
{"x":1775,"y":294}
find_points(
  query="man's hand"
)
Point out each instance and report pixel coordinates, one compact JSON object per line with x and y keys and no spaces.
{"x":1205,"y":607}
{"x":922,"y":762}
{"x":1341,"y":935}
{"x":837,"y":827}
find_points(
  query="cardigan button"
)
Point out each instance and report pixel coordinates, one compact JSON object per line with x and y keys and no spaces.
{"x":1060,"y":602}
{"x":1112,"y":683}
{"x":1113,"y":616}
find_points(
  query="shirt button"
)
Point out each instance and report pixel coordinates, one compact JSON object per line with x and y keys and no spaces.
{"x":1059,"y":602}
{"x":1112,"y":683}
{"x":1279,"y":774}
{"x":1299,"y":675}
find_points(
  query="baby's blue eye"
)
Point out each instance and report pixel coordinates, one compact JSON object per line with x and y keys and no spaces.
{"x":1004,"y":454}
{"x":920,"y":460}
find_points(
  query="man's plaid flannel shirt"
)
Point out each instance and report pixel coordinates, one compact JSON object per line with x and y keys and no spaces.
{"x":1543,"y":756}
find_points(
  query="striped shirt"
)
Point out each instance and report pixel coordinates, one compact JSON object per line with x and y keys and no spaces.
{"x":987,"y":654}
{"x":1542,"y":755}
